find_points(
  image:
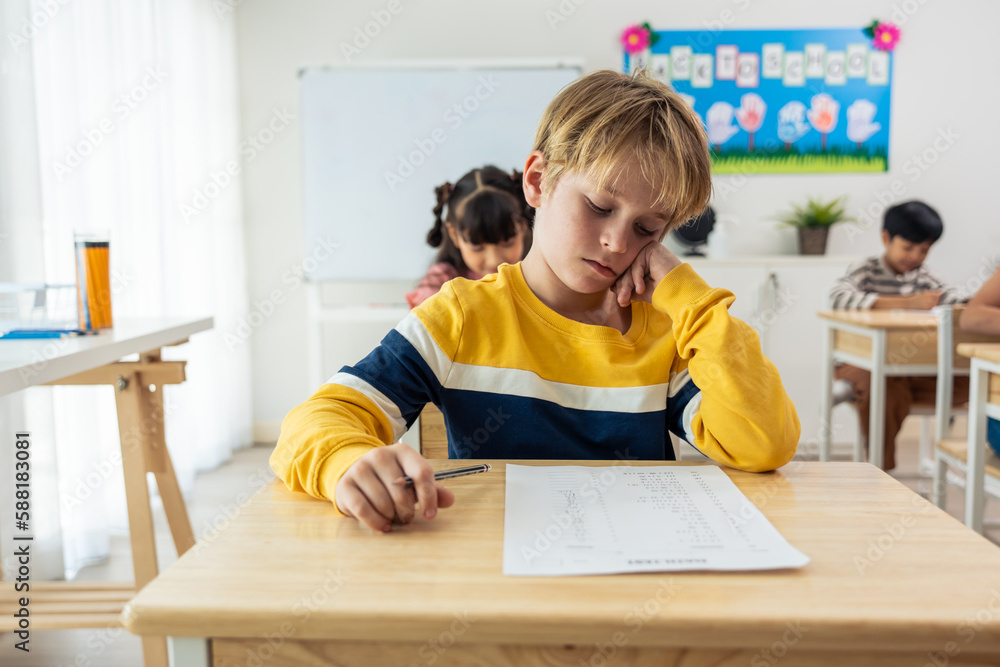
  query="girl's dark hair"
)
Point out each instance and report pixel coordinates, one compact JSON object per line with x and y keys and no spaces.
{"x":484,"y":206}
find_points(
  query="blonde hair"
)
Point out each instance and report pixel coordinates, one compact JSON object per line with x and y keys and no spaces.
{"x":598,"y":123}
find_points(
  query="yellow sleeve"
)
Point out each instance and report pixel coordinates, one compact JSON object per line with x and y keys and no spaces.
{"x":745,"y":419}
{"x":323,"y":437}
{"x":372,"y":403}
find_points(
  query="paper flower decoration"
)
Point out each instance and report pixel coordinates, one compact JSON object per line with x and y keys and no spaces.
{"x":719,"y":123}
{"x":859,"y":121}
{"x":822,"y":115}
{"x":637,"y":38}
{"x":750,"y":115}
{"x":884,"y":36}
{"x":792,"y":124}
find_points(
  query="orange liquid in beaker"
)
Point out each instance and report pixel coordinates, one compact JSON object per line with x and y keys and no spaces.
{"x":93,"y":285}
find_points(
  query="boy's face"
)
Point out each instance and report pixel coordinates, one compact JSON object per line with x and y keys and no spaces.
{"x":586,"y":237}
{"x":902,"y":255}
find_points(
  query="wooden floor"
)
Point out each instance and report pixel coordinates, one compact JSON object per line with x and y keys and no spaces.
{"x":214,"y":501}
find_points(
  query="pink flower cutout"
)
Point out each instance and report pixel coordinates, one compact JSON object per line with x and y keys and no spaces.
{"x":886,"y":37}
{"x":635,"y":39}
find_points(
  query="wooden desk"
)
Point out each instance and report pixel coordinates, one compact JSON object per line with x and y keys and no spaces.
{"x":92,"y":360}
{"x":884,"y":342}
{"x":892,"y":578}
{"x":984,"y":401}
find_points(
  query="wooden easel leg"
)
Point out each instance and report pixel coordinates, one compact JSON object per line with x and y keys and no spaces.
{"x":135,"y":420}
{"x":170,"y":493}
{"x":158,"y":460}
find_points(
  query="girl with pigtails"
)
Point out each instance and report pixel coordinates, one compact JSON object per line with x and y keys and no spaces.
{"x":487,"y":223}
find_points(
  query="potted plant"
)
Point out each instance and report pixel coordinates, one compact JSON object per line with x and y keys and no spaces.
{"x":814,"y":221}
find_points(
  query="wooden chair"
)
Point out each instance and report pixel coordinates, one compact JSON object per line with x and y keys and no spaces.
{"x":433,"y":436}
{"x":953,"y":452}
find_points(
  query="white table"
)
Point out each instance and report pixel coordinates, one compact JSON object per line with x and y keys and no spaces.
{"x":26,"y":363}
{"x":93,"y":360}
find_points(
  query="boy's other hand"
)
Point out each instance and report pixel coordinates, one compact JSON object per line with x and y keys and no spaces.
{"x":369,"y":493}
{"x":926,"y":300}
{"x":639,"y":281}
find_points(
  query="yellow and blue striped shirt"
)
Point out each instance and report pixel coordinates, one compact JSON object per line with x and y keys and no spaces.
{"x":516,"y":380}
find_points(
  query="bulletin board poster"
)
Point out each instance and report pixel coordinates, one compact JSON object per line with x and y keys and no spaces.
{"x":781,"y":101}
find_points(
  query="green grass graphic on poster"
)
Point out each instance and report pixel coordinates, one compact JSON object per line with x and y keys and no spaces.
{"x":780,"y":101}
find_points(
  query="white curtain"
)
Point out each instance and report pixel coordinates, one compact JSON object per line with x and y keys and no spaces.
{"x":136,"y":111}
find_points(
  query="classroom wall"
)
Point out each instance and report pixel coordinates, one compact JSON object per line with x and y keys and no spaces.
{"x":944,"y":115}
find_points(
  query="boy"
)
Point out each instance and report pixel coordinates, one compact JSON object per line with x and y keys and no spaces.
{"x":593,"y":347}
{"x":896,"y":279}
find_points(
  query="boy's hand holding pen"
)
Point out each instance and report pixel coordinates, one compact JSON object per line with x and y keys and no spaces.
{"x":384,"y":485}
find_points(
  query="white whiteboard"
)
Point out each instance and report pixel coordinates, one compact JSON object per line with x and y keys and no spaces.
{"x":377,"y":140}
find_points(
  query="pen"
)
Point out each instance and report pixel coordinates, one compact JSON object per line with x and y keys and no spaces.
{"x":448,"y":474}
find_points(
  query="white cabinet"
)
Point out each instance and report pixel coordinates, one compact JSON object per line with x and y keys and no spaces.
{"x":779,"y":297}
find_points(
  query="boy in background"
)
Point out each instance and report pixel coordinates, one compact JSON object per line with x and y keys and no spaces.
{"x":897,"y":279}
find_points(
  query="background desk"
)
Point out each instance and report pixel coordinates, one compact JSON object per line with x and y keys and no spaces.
{"x":891,"y":579}
{"x":886,"y":343}
{"x":94,"y":360}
